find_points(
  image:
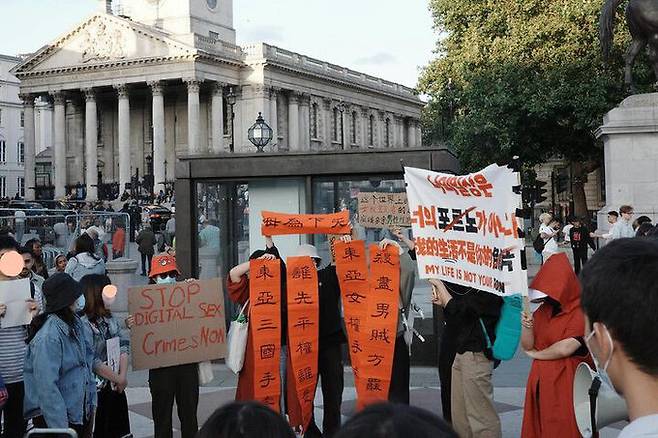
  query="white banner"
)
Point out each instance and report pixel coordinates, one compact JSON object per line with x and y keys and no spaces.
{"x":466,"y":230}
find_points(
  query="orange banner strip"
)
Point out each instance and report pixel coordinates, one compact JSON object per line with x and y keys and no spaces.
{"x":381,"y":324}
{"x":303,"y":331}
{"x":275,"y":224}
{"x":352,"y":271}
{"x":265,"y":321}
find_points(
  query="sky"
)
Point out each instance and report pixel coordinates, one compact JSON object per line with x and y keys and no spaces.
{"x":390,"y":39}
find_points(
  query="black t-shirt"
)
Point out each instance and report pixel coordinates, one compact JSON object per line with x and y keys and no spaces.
{"x":331,"y":324}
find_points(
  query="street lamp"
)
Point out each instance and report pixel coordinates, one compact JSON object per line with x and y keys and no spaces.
{"x":230,"y":100}
{"x":260,"y":133}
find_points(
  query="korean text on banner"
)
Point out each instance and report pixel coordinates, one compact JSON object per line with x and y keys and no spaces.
{"x":177,"y":323}
{"x":381,"y":324}
{"x":466,"y":230}
{"x":275,"y":224}
{"x":383,"y":210}
{"x":303,"y":331}
{"x":265,"y":320}
{"x":352,"y":271}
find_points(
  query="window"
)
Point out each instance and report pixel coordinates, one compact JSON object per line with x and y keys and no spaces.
{"x":371,"y":131}
{"x":20,"y":183}
{"x":3,"y":151}
{"x":353,"y":127}
{"x":314,"y":120}
{"x":3,"y":186}
{"x":336,"y":122}
{"x":22,"y":119}
{"x":387,"y":133}
{"x":213,"y":35}
{"x":20,"y":152}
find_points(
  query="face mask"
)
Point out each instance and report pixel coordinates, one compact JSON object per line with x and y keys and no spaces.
{"x":166,"y":280}
{"x":602,"y":371}
{"x":80,"y":303}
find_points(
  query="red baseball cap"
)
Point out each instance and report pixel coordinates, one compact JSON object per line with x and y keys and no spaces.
{"x":163,"y":263}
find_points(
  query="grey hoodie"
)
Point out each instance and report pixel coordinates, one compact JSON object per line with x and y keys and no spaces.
{"x":84,"y":264}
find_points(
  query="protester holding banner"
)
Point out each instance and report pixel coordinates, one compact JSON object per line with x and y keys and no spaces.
{"x":60,"y":389}
{"x":553,"y":337}
{"x":473,"y":310}
{"x":238,"y":289}
{"x":332,"y":338}
{"x":112,"y":420}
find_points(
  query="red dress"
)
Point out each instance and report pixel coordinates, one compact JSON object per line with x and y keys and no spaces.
{"x":239,"y":293}
{"x":549,"y":393}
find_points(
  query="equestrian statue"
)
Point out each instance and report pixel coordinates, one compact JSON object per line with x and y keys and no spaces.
{"x":642,"y":19}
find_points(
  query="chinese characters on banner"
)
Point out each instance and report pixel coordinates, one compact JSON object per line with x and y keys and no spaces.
{"x":381,"y":325}
{"x":265,"y":321}
{"x":303,"y":331}
{"x":177,"y":323}
{"x":383,"y":210}
{"x":275,"y":224}
{"x":352,"y":271}
{"x":466,"y":230}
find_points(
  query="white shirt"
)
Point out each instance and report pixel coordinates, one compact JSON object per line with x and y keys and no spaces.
{"x":565,"y":231}
{"x":550,"y":245}
{"x":622,"y":229}
{"x":643,"y":427}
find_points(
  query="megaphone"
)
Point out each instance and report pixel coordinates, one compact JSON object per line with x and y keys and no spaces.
{"x":610,"y":407}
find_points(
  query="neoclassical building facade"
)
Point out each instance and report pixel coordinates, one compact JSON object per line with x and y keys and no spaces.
{"x":132,"y":90}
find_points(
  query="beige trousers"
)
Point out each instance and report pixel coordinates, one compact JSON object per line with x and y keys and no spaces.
{"x":473,"y":411}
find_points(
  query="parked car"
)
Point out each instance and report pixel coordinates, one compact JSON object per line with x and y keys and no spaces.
{"x":157,"y":216}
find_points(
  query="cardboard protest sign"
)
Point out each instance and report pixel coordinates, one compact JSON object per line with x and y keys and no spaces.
{"x":14,"y":294}
{"x":303,"y":332}
{"x":177,"y":323}
{"x":265,"y":321}
{"x":466,"y":230}
{"x":383,"y":210}
{"x":275,"y":224}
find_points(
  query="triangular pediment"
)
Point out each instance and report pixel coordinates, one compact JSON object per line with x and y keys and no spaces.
{"x":100,"y":40}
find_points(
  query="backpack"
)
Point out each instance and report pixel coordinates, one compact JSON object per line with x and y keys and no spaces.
{"x":538,"y":244}
{"x":508,"y":330}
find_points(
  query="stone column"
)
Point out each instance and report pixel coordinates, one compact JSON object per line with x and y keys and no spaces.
{"x":274,"y":93}
{"x":411,"y":133}
{"x":304,"y":124}
{"x":328,"y":117}
{"x":159,"y":153}
{"x":399,"y":125}
{"x":29,"y":142}
{"x":59,"y":154}
{"x":217,"y":118}
{"x":419,"y":134}
{"x":91,"y":144}
{"x":344,"y":127}
{"x":293,"y":121}
{"x":381,"y":118}
{"x":193,"y":137}
{"x":124,"y":136}
{"x":365,"y":123}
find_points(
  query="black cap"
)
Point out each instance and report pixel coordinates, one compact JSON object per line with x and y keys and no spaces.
{"x":60,"y":291}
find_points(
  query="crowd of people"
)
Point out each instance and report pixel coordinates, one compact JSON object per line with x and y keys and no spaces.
{"x":55,"y":374}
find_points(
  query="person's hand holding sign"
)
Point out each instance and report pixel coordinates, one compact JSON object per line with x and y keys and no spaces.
{"x":440,"y":294}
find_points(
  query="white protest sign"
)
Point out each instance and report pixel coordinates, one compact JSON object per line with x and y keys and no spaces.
{"x":113,"y":353}
{"x":466,"y":230}
{"x":14,"y":294}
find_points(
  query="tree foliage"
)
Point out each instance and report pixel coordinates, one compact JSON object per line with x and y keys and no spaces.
{"x":521,"y":77}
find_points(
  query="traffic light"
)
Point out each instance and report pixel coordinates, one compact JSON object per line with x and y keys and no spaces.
{"x":540,"y":192}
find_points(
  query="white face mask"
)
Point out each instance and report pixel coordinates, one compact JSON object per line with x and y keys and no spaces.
{"x":602,"y":371}
{"x":166,"y":280}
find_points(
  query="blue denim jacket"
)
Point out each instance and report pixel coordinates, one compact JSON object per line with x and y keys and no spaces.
{"x":58,"y":373}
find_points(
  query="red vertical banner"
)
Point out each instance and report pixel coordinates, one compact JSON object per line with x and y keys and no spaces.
{"x":381,"y":323}
{"x":352,"y":270}
{"x":265,"y":321}
{"x":303,"y":332}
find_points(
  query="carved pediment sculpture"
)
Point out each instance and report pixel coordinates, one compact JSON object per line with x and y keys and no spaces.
{"x":102,"y":43}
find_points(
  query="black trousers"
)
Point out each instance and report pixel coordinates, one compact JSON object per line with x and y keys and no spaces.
{"x":330,"y":370}
{"x":181,"y":383}
{"x":398,"y":392}
{"x":579,"y":259}
{"x":12,"y":412}
{"x":447,"y":354}
{"x":112,"y":419}
{"x":146,"y":267}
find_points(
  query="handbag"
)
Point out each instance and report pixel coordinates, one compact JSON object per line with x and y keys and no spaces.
{"x":237,"y":341}
{"x":205,"y":373}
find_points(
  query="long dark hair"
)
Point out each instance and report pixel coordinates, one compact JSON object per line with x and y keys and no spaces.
{"x":66,"y":314}
{"x":83,"y":244}
{"x":245,"y":420}
{"x":92,"y":285}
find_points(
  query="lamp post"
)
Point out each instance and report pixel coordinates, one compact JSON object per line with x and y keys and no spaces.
{"x":260,"y":133}
{"x":230,"y":100}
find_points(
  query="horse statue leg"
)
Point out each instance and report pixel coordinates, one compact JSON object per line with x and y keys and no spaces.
{"x":634,"y":49}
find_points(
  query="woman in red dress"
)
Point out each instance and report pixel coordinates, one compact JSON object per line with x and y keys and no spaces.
{"x":553,"y":337}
